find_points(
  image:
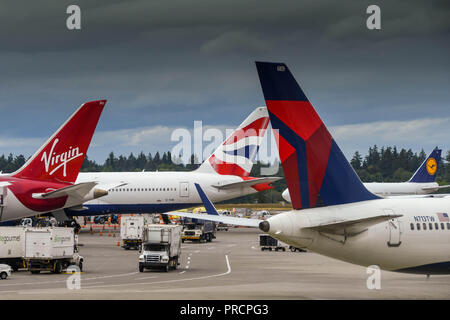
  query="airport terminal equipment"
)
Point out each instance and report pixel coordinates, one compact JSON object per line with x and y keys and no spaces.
{"x":5,"y":271}
{"x":51,"y":249}
{"x":222,"y":226}
{"x":12,"y":246}
{"x":161,"y":247}
{"x":131,"y":231}
{"x":198,"y":230}
{"x":266,"y":242}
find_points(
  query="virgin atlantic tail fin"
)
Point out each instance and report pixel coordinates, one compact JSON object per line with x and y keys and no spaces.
{"x":61,"y":157}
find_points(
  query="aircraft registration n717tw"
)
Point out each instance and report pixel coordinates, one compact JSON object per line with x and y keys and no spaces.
{"x":397,"y":234}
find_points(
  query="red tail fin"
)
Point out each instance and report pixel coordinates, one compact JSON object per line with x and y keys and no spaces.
{"x":61,"y":157}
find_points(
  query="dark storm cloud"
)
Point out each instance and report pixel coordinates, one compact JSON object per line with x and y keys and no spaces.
{"x":168,"y":63}
{"x":40,"y":25}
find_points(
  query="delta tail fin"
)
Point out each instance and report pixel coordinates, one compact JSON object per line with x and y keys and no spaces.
{"x":427,"y":170}
{"x":312,"y":161}
{"x":61,"y":157}
{"x":236,"y":155}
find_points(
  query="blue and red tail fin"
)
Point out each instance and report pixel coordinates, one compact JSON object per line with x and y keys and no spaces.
{"x":427,"y":170}
{"x":312,"y":162}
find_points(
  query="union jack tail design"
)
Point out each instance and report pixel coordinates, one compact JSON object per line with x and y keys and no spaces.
{"x":312,"y":161}
{"x":236,"y":155}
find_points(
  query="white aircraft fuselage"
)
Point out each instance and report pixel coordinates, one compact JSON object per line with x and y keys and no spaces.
{"x":386,"y":189}
{"x":416,"y":242}
{"x":157,"y":192}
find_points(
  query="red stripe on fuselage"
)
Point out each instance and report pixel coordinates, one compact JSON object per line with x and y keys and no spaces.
{"x":23,"y":190}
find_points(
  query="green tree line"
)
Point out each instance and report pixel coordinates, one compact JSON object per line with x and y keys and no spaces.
{"x":387,"y":164}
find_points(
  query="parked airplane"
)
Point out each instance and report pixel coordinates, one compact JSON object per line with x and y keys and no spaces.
{"x":46,"y":181}
{"x":224,"y":175}
{"x":422,"y":181}
{"x":406,"y":235}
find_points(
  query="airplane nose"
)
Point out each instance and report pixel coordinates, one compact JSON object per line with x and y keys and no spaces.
{"x":264,"y":226}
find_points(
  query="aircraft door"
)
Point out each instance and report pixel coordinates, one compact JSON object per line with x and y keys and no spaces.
{"x":394,"y":230}
{"x":184,"y":189}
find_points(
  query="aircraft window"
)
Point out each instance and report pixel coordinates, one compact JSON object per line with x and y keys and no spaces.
{"x":442,"y":226}
{"x":412,"y":226}
{"x":448,"y":226}
{"x":127,"y":189}
{"x":418,"y":226}
{"x":424,"y":226}
{"x":436,"y":226}
{"x":145,"y":189}
{"x":134,"y":189}
{"x":153,"y":189}
{"x":431,"y":226}
{"x":139,"y":189}
{"x":164,"y":189}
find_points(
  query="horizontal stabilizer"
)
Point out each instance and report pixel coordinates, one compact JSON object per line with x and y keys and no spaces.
{"x":77,"y":190}
{"x":247,"y":183}
{"x":352,"y":227}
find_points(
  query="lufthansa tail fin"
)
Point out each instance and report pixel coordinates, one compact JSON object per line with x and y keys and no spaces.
{"x":61,"y":157}
{"x":427,"y":170}
{"x":312,"y":161}
{"x":235,"y":156}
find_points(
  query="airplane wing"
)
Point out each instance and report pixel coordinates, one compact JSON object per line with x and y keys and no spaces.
{"x":247,"y":183}
{"x":352,"y":227}
{"x":219,"y":218}
{"x":213,"y":215}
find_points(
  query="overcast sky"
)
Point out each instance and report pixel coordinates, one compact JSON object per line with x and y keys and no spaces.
{"x":164,"y":64}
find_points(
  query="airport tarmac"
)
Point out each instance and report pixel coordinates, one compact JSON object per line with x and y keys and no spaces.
{"x":230,"y":267}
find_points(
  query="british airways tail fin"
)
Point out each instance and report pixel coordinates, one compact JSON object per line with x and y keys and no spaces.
{"x":61,"y":157}
{"x":312,"y":161}
{"x":427,"y":170}
{"x":235,"y":156}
